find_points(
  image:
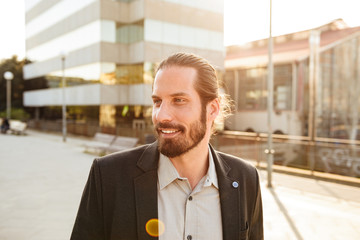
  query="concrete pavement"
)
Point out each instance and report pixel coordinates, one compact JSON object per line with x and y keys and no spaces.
{"x":42,"y":178}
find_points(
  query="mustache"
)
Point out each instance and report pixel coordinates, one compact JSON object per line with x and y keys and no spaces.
{"x":169,"y":125}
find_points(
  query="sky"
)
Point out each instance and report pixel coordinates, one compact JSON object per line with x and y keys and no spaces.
{"x":244,"y":20}
{"x":12,"y":28}
{"x":248,"y":20}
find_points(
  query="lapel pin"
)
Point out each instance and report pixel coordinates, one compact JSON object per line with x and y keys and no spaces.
{"x":235,"y":184}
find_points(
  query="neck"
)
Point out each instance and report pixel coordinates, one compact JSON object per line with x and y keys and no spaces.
{"x":193,"y":164}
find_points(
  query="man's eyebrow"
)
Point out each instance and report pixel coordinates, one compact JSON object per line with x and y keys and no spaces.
{"x":179,"y":94}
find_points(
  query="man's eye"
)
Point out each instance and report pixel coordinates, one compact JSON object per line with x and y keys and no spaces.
{"x":156,"y":102}
{"x":179,"y":100}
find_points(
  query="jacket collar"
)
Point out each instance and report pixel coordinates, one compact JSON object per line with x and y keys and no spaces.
{"x":149,"y":160}
{"x":145,"y":186}
{"x":229,"y":197}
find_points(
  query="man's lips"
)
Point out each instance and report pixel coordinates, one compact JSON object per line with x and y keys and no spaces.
{"x":168,"y":131}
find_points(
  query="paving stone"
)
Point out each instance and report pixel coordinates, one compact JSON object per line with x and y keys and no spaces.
{"x":42,"y":179}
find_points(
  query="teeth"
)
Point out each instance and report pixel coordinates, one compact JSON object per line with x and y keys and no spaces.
{"x":168,"y":131}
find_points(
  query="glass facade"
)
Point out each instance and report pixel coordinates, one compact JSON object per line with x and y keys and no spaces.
{"x":336,"y":92}
{"x":252,"y":87}
{"x":282,"y":87}
{"x":56,"y":82}
{"x":81,"y":37}
{"x":129,"y":74}
{"x":332,"y":98}
{"x":114,"y":43}
{"x":150,"y":72}
{"x":127,"y":1}
{"x":130,"y":33}
{"x":135,"y":73}
{"x":107,"y":116}
{"x":111,"y":115}
{"x":211,"y":5}
{"x":185,"y":36}
{"x":338,"y":113}
{"x":58,"y":12}
{"x":335,"y":158}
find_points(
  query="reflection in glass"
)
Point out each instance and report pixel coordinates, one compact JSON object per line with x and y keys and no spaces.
{"x":339,"y":112}
{"x":107,"y":115}
{"x":129,"y":74}
{"x":253,"y":87}
{"x":333,"y":158}
{"x":248,"y":89}
{"x":135,"y":73}
{"x":130,"y":33}
{"x":149,"y":72}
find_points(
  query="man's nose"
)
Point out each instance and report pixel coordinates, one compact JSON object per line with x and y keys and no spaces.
{"x":163,"y":113}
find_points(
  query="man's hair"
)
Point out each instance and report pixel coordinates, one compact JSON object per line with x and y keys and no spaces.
{"x":207,"y":84}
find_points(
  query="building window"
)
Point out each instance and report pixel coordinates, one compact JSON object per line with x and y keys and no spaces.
{"x":129,"y":74}
{"x":282,"y":87}
{"x":136,"y":73}
{"x":130,"y":33}
{"x":252,"y":88}
{"x":150,"y":72}
{"x":338,"y":115}
{"x":281,"y":95}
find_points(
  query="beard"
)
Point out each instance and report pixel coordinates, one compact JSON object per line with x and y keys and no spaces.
{"x":181,"y":144}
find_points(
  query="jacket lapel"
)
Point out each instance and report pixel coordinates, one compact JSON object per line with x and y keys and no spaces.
{"x":229,"y":199}
{"x":146,"y":194}
{"x":146,"y":190}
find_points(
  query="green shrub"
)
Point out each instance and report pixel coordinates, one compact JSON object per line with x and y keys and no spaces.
{"x":17,"y":113}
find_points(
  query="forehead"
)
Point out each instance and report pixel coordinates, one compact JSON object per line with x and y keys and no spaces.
{"x":174,"y":79}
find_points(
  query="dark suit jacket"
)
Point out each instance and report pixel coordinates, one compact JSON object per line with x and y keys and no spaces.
{"x":121,"y":196}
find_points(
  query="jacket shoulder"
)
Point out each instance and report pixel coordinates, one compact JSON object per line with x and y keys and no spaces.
{"x":122,"y":157}
{"x":239,"y":166}
{"x":121,"y":163}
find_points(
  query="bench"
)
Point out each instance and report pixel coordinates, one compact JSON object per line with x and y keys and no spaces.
{"x":99,"y":143}
{"x":17,"y":127}
{"x":121,"y":143}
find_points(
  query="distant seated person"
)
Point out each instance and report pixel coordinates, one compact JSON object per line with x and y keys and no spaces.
{"x":5,"y":125}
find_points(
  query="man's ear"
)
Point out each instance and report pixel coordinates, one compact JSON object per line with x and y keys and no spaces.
{"x":213,"y":109}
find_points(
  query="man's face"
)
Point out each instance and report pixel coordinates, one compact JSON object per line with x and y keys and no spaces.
{"x":178,"y":116}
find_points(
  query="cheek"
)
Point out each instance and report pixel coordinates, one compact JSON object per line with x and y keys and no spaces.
{"x":189,"y":117}
{"x":153,"y":116}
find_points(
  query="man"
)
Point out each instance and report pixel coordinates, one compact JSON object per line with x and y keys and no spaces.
{"x":178,"y":187}
{"x":5,"y":126}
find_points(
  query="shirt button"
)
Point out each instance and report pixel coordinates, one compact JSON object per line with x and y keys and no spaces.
{"x":190,"y":198}
{"x":189,"y":237}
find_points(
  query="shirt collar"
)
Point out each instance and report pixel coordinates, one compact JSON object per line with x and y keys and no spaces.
{"x":167,"y":173}
{"x":211,"y":174}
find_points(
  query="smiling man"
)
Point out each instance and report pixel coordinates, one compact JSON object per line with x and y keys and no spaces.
{"x":178,"y":187}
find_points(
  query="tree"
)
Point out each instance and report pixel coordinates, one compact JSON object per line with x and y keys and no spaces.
{"x":18,"y":84}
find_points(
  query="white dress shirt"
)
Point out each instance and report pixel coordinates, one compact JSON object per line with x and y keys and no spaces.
{"x":188,"y":214}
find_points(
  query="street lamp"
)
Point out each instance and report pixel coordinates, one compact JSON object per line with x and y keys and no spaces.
{"x":8,"y":76}
{"x":63,"y":56}
{"x":270,"y":101}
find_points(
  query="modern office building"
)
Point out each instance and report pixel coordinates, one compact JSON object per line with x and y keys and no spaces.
{"x":108,"y":50}
{"x":316,"y":83}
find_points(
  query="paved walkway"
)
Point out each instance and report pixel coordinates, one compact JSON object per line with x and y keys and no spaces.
{"x":42,"y":178}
